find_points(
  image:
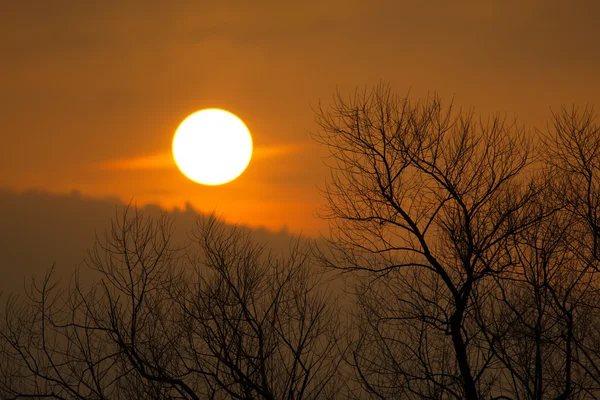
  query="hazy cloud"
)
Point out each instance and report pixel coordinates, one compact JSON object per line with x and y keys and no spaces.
{"x":41,"y":229}
{"x":158,"y":161}
{"x":165,"y":160}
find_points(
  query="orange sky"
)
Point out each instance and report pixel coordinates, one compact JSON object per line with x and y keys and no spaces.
{"x":92,"y":92}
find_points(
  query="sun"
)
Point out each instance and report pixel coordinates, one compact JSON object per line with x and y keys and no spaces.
{"x":212,"y":147}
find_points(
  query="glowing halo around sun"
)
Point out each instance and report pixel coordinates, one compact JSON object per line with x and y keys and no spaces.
{"x":212,"y":147}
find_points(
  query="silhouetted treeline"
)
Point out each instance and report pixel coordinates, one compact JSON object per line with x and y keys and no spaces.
{"x":468,"y":246}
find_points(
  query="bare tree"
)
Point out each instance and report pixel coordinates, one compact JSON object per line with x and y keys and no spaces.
{"x":221,"y":318}
{"x":540,"y":319}
{"x":416,"y":186}
{"x":401,"y":350}
{"x":572,"y":151}
{"x":536,"y":312}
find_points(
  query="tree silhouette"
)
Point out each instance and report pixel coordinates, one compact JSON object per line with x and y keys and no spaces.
{"x":440,"y":215}
{"x":226,"y":320}
{"x":572,"y":152}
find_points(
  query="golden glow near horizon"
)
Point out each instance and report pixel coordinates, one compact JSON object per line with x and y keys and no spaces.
{"x":212,"y":147}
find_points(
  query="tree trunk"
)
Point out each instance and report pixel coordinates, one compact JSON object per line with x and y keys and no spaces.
{"x":460,"y":349}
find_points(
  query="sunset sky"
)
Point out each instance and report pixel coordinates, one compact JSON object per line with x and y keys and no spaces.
{"x":92,"y":91}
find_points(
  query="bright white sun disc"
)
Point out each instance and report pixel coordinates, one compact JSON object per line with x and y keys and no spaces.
{"x":212,"y":147}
